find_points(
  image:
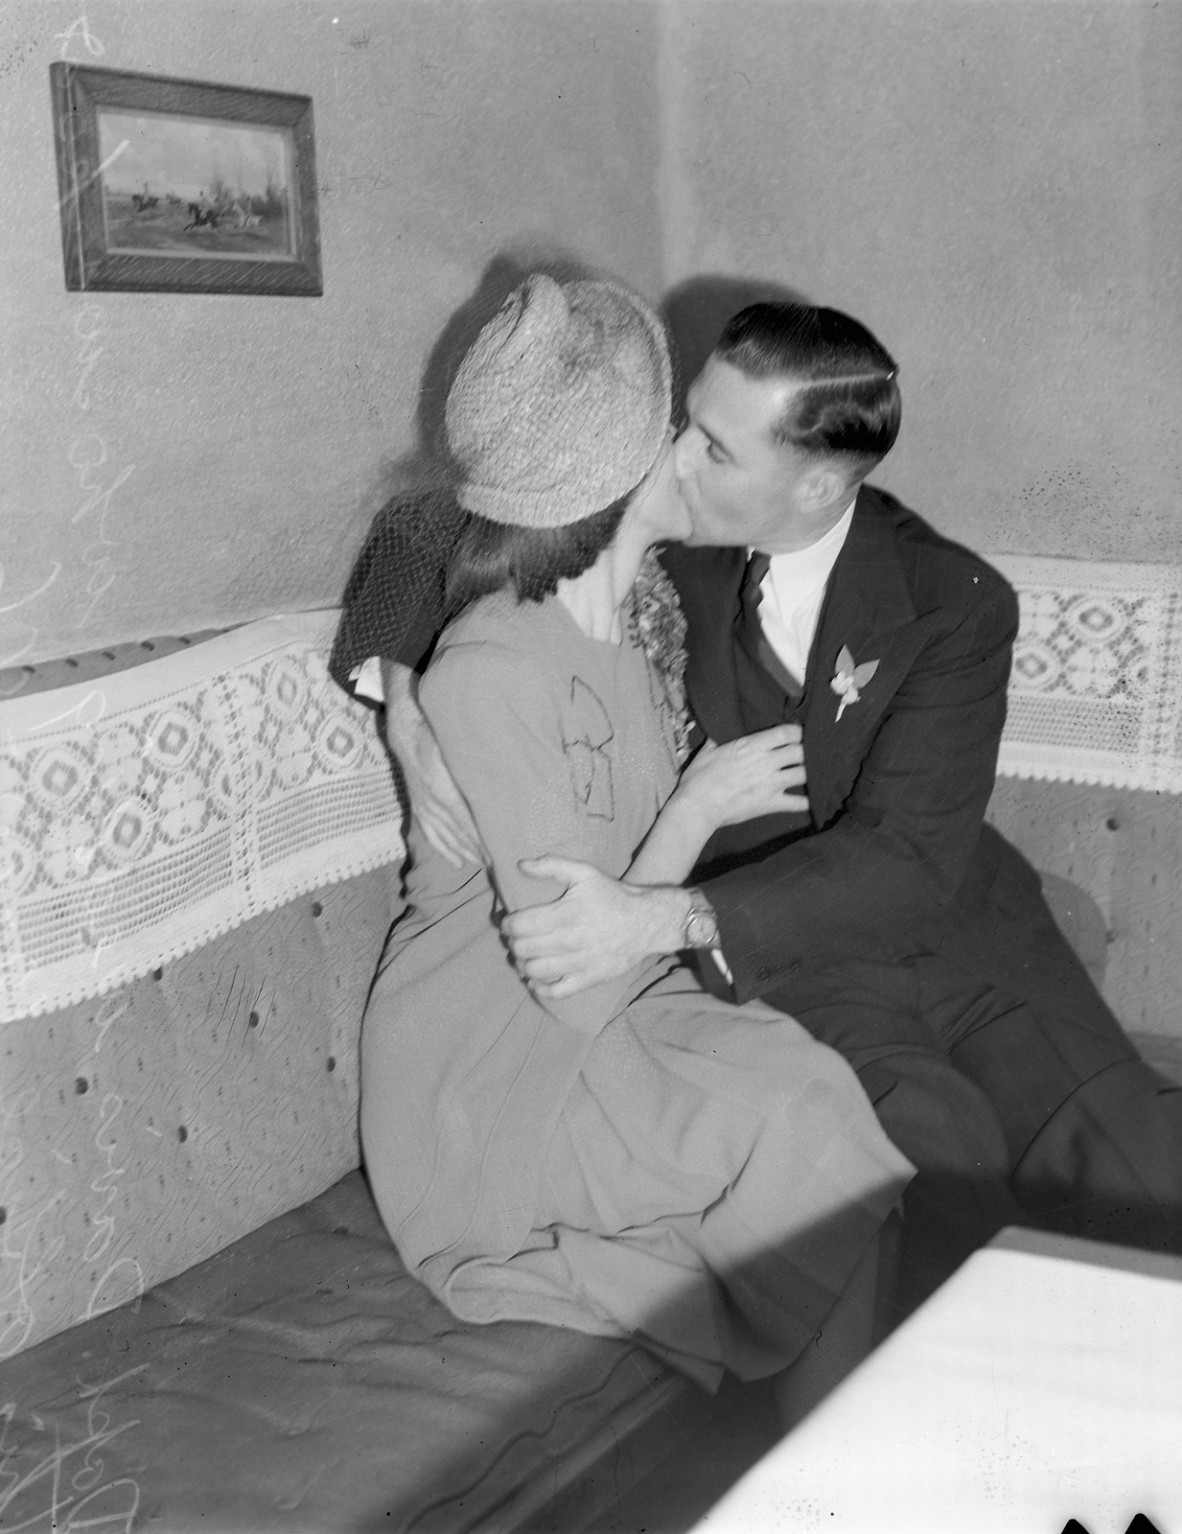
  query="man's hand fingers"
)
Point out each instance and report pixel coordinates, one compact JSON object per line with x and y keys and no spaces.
{"x":462,"y":829}
{"x":566,"y":871}
{"x":473,"y":849}
{"x":541,"y":924}
{"x":543,"y":970}
{"x":569,"y":985}
{"x":539,"y":945}
{"x":457,"y":845}
{"x":443,"y":844}
{"x":777,"y":735}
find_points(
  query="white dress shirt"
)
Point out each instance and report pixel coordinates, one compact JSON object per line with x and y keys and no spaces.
{"x":792,"y":593}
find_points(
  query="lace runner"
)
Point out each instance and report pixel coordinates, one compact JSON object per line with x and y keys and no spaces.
{"x":1095,"y":693}
{"x":146,"y":812}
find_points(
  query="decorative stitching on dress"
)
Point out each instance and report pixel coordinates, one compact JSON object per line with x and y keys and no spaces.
{"x":590,"y":765}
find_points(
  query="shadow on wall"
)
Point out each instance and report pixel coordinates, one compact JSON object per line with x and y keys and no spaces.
{"x":696,"y":310}
{"x":427,"y":465}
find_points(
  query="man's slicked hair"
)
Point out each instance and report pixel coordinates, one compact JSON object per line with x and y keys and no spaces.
{"x":848,"y":406}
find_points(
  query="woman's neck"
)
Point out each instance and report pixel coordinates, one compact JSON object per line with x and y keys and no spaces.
{"x":595,"y":598}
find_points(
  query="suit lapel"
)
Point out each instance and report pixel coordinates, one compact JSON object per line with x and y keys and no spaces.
{"x":868,"y":602}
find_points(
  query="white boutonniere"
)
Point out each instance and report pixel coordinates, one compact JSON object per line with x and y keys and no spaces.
{"x":848,"y":678}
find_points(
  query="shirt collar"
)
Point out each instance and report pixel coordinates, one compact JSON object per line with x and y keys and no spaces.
{"x":811,"y":566}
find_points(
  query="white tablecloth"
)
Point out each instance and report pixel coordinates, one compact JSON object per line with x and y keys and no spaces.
{"x":1043,"y":1382}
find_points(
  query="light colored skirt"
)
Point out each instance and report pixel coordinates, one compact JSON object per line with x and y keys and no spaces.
{"x":714,"y":1179}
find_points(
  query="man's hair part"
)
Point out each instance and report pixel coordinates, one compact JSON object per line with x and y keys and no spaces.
{"x":848,"y":404}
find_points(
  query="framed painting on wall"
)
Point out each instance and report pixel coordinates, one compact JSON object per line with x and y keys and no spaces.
{"x":175,"y":186}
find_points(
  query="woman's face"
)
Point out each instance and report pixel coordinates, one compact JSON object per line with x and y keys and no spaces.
{"x":658,"y":503}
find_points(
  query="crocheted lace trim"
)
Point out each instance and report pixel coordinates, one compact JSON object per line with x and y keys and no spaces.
{"x":144,"y":813}
{"x":1095,"y":694}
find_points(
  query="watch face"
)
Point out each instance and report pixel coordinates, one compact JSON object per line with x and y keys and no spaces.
{"x":701,"y":930}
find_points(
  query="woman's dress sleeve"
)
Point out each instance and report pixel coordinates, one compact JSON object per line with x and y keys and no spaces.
{"x":510,"y":739}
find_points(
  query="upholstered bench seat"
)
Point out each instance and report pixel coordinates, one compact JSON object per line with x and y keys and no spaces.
{"x":301,"y":1380}
{"x":202,"y":863}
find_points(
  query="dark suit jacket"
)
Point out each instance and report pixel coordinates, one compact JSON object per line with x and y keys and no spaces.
{"x":897,"y":786}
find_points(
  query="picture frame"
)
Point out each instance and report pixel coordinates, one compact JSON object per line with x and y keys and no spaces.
{"x":181,"y":186}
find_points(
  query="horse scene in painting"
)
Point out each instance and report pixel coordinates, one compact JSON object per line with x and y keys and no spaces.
{"x":176,"y":186}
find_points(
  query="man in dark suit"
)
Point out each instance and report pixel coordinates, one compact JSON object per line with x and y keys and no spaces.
{"x":888,"y":918}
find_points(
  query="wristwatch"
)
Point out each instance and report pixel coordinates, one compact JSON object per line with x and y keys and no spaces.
{"x":701,"y":924}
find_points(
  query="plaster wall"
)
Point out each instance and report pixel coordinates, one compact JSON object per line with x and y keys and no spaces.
{"x":992,"y":186}
{"x":173,"y":462}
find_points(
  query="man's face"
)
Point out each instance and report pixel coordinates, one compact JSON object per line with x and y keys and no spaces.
{"x":739,"y":484}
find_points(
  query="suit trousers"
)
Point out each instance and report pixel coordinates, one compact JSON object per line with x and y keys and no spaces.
{"x":1012,"y":1089}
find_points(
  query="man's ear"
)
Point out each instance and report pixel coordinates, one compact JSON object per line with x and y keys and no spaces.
{"x":823,"y":484}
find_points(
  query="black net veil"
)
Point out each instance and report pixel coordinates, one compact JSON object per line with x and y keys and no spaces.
{"x":393,"y":604}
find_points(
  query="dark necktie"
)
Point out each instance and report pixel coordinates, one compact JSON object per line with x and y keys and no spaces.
{"x":749,"y":631}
